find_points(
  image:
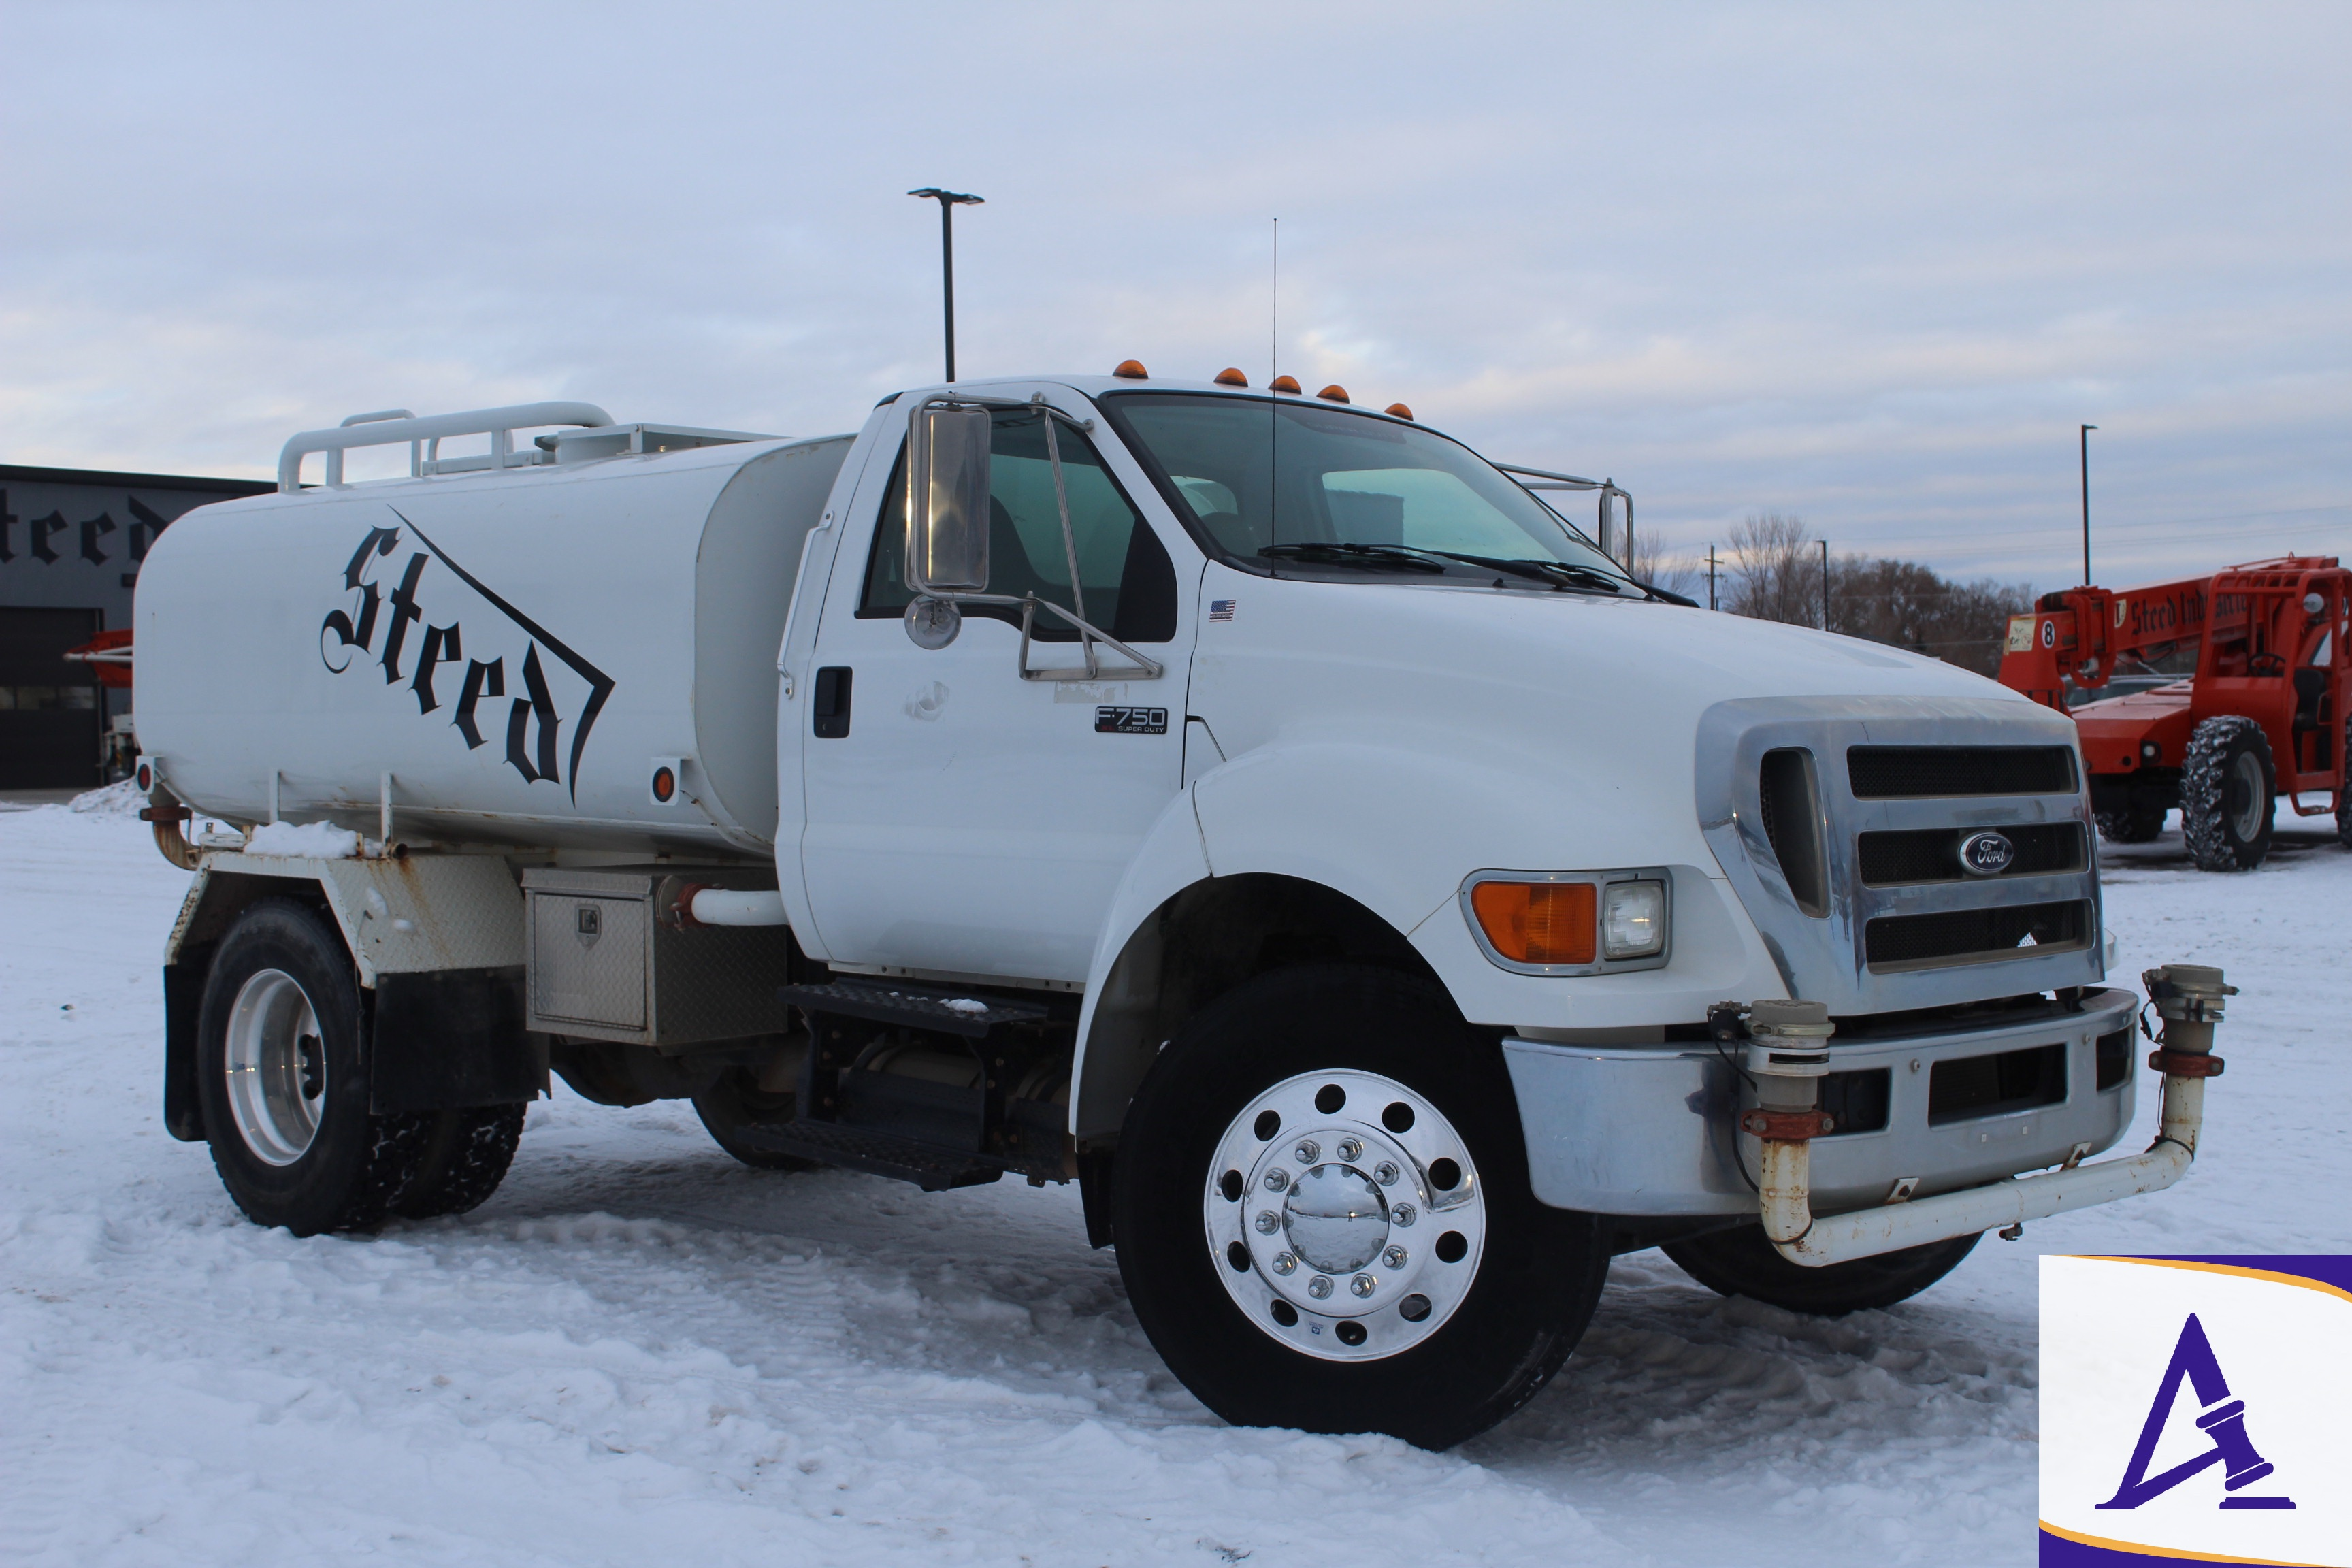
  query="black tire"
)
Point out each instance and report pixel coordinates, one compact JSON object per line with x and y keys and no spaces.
{"x":2130,"y":826}
{"x":1742,"y":1263}
{"x":733,"y":1102}
{"x":2227,"y":787}
{"x":464,"y":1157}
{"x":354,"y":1166}
{"x":1538,"y":1273}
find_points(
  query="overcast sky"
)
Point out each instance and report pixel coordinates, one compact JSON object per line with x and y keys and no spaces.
{"x":1869,"y":266}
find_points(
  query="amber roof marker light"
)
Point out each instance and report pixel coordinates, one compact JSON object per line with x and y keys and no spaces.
{"x":1282,"y":383}
{"x":948,"y":201}
{"x":1229,"y":376}
{"x":1334,"y":393}
{"x":1131,"y":370}
{"x":1399,"y":409}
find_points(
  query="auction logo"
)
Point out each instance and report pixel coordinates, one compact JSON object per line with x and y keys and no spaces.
{"x":534,"y":720}
{"x":2133,"y":1472}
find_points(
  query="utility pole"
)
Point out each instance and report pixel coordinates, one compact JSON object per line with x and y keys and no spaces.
{"x":2086,"y":503}
{"x":1825,"y":585}
{"x":1711,"y":602}
{"x":948,"y":201}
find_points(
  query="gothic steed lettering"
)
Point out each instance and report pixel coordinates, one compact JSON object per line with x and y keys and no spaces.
{"x":396,"y":630}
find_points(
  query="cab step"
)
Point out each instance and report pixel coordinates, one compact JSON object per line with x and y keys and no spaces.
{"x":914,"y":1007}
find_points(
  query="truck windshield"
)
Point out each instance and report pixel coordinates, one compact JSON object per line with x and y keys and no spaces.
{"x":1287,"y":486}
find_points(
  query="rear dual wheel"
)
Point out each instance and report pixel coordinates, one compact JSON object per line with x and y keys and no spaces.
{"x":283,"y":1085}
{"x":1323,"y":1217}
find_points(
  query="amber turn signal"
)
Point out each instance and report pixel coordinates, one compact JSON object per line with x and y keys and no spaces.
{"x":1131,"y":370}
{"x":1400,"y":410}
{"x":1229,"y":376}
{"x":1334,"y":393}
{"x":1539,"y":922}
{"x":1282,"y":383}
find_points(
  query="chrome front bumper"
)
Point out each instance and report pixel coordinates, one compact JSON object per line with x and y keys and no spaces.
{"x":1651,"y":1130}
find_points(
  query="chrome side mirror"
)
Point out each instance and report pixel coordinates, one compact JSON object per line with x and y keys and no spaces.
{"x":947,"y":523}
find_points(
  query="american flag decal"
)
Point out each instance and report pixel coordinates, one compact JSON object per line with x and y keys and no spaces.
{"x":1221,"y":609}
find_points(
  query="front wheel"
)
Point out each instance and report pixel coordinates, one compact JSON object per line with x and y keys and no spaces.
{"x":2227,"y":785}
{"x":1742,"y":1262}
{"x":1323,"y":1217}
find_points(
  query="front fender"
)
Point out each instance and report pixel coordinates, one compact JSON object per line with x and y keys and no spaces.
{"x":1114,"y":1048}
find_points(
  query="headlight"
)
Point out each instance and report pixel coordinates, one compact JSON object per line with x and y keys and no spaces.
{"x":1633,"y":919}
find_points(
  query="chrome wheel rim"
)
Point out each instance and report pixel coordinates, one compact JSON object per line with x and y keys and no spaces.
{"x":2247,"y":800}
{"x":276,"y":1066}
{"x":1331,"y":1218}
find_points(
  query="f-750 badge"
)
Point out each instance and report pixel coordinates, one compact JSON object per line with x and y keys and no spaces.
{"x":1131,"y":721}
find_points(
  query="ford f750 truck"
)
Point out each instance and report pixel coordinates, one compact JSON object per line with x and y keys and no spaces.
{"x":1259,"y":810}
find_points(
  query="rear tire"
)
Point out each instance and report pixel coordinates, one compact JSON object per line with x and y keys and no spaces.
{"x":733,"y":1102}
{"x":464,"y":1157}
{"x":281,"y":1075}
{"x":2226,"y":788}
{"x":2130,"y":826}
{"x":1302,"y":1322}
{"x":1743,"y":1263}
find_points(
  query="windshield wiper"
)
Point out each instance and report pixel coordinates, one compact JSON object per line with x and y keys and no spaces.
{"x":1391,"y":557}
{"x":1558,"y":574}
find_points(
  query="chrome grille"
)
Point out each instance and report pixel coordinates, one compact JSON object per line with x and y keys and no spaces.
{"x":1839,"y":822}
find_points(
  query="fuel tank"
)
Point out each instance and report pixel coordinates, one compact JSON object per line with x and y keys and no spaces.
{"x":510,"y":657}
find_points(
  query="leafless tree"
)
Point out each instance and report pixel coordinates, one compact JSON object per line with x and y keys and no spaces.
{"x":1661,"y":567}
{"x":1776,"y":575}
{"x":1775,"y":571}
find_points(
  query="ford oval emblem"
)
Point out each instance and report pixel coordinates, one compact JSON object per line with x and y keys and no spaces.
{"x":1987,"y":854}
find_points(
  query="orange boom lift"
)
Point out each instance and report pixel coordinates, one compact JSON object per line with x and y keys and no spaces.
{"x":2264,"y":714}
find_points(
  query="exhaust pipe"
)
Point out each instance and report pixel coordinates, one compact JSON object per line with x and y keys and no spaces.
{"x":2189,"y":997}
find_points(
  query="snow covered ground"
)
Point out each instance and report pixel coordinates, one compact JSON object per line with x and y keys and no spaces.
{"x":641,"y":1353}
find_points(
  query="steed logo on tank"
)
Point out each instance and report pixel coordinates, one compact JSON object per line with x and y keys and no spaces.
{"x":531,"y":685}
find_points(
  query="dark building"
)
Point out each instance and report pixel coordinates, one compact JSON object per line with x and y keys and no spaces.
{"x":70,"y":543}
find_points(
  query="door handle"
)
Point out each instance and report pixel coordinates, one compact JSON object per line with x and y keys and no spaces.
{"x":829,"y":703}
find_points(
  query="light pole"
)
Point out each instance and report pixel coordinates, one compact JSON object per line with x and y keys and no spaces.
{"x":2085,"y":439}
{"x":948,"y":201}
{"x":1825,"y":585}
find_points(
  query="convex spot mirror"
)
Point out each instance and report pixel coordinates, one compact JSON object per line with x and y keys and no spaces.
{"x":947,"y":520}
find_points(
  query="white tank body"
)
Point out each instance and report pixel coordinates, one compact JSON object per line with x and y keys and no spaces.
{"x":517,"y":650}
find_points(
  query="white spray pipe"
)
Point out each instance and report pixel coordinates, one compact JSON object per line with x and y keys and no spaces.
{"x":2188,"y":996}
{"x":727,"y":907}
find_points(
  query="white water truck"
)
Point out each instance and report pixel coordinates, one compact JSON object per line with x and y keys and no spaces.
{"x":1260,"y":810}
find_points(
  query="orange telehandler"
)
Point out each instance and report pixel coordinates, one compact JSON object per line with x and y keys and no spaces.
{"x":2265,"y":713}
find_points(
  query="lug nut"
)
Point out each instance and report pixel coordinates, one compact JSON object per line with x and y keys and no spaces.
{"x":1351,"y":1149}
{"x":1364,"y":1284}
{"x":1285,"y":1263}
{"x":1308,"y":1152}
{"x":1394,"y":1256}
{"x":1268,"y":1222}
{"x":1276,"y":1179}
{"x":1403,"y":1214}
{"x":1319,"y":1287}
{"x":1386,"y":1172}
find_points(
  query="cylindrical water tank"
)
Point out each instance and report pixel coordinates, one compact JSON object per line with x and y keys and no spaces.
{"x":507,"y":658}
